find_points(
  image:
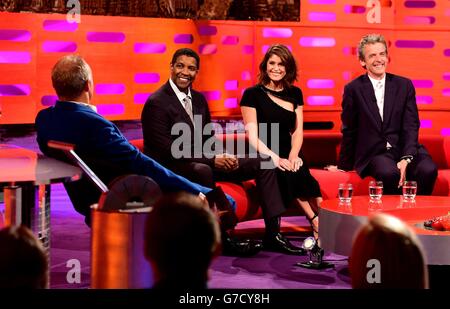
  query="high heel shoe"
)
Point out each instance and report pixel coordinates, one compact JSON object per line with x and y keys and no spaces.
{"x":314,"y":228}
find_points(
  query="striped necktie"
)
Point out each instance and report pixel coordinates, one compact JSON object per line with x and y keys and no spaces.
{"x":188,"y":107}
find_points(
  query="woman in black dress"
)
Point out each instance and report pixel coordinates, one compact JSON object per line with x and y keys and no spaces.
{"x":278,"y":104}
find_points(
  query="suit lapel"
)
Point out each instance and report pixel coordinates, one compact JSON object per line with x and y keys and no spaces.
{"x":371,"y":101}
{"x":389,"y":100}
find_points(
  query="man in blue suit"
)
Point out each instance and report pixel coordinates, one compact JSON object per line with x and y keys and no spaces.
{"x":100,"y":143}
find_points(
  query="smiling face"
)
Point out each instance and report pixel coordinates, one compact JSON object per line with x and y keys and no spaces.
{"x":375,"y":60}
{"x":276,"y":69}
{"x":183,"y":72}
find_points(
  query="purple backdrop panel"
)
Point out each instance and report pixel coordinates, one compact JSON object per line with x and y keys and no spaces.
{"x":426,"y":124}
{"x":230,"y":40}
{"x":447,"y":52}
{"x":49,"y":100}
{"x":414,"y":44}
{"x":15,"y":35}
{"x":59,"y":46}
{"x":207,"y":30}
{"x":15,"y":90}
{"x":212,"y":95}
{"x":149,"y":48}
{"x":424,"y":99}
{"x":110,"y":109}
{"x":108,"y":89}
{"x":419,"y":20}
{"x":248,"y":49}
{"x":106,"y":37}
{"x":446,"y":92}
{"x":207,"y":49}
{"x":445,"y":131}
{"x":183,"y":38}
{"x":277,"y":32}
{"x":146,"y":78}
{"x":322,"y":1}
{"x":14,"y":57}
{"x":322,"y":16}
{"x":231,"y":85}
{"x":354,"y":9}
{"x":231,"y":103}
{"x":423,"y":83}
{"x":59,"y":25}
{"x":140,"y":98}
{"x":246,"y":75}
{"x":320,"y":83}
{"x":346,"y":75}
{"x":320,"y":100}
{"x":420,"y":4}
{"x":317,"y":42}
{"x":446,"y":76}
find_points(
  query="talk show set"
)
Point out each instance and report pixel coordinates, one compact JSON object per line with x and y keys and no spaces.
{"x":225,"y":153}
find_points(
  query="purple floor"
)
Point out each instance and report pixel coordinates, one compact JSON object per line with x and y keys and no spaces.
{"x":70,"y":240}
{"x":266,"y":270}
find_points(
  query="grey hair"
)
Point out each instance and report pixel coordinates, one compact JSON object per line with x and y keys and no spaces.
{"x":370,"y":39}
{"x":69,"y":76}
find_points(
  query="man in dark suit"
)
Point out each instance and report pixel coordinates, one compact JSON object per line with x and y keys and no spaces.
{"x":97,"y":141}
{"x":380,"y":125}
{"x":176,"y":121}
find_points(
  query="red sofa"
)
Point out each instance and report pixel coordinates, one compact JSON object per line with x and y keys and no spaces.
{"x":321,"y":149}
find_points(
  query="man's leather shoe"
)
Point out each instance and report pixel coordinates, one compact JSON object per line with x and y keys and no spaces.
{"x":241,"y":248}
{"x":279,"y":243}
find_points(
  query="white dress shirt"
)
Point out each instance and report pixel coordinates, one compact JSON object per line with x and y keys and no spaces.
{"x":378,"y":87}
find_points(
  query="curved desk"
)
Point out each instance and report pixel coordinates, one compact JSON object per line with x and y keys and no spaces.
{"x":25,"y":177}
{"x":339,"y":222}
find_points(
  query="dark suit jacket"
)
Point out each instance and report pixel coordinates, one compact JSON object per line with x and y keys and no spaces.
{"x":365,"y":134}
{"x":105,"y":150}
{"x":161,"y":112}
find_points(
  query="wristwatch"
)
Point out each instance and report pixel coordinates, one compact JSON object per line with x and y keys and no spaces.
{"x":408,"y":158}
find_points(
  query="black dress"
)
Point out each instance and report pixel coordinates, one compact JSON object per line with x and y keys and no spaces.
{"x":292,"y":184}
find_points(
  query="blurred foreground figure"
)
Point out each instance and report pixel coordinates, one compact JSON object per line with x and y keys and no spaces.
{"x":386,"y":254}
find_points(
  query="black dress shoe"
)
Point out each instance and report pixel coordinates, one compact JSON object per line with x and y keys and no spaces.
{"x":240,"y":248}
{"x":279,"y":243}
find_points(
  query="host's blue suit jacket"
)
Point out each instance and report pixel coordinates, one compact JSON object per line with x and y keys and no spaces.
{"x":104,"y":149}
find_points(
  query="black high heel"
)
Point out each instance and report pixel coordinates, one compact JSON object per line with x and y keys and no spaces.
{"x":315,"y":231}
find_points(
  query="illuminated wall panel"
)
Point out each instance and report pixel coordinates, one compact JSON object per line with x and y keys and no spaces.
{"x":130,"y":57}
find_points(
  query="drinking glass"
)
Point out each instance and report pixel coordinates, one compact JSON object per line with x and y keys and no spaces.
{"x":345,"y":192}
{"x":409,"y":190}
{"x":375,"y":190}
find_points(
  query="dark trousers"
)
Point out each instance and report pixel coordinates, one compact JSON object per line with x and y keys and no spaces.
{"x":249,"y":168}
{"x":422,"y":169}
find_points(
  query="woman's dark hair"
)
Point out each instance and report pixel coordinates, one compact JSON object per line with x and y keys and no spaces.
{"x":287,"y":60}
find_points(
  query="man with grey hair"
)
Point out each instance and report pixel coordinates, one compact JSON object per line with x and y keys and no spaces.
{"x":97,"y":141}
{"x":380,"y":124}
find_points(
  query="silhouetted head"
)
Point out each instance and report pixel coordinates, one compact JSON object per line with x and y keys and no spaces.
{"x":182,"y":237}
{"x":385,"y":249}
{"x":23,"y":260}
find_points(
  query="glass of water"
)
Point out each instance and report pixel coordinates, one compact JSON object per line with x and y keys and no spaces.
{"x":409,"y":190}
{"x":375,"y":190}
{"x":345,"y":192}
